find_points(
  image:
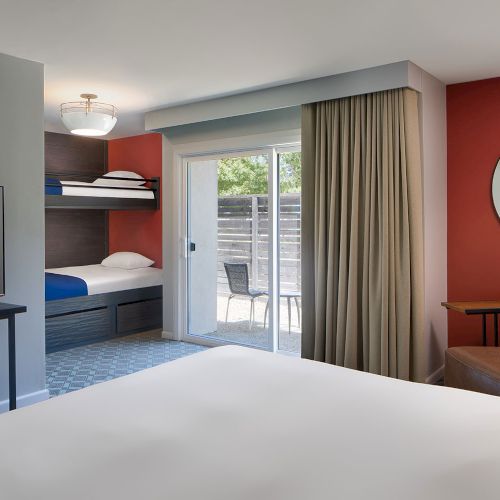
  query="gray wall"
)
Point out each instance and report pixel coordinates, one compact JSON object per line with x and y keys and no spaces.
{"x":21,"y":172}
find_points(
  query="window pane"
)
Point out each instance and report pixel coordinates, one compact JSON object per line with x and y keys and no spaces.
{"x":290,"y":183}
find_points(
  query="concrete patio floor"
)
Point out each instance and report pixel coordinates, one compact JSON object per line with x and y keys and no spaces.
{"x":237,"y":329}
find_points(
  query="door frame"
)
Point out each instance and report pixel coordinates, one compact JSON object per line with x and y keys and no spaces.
{"x":174,"y":204}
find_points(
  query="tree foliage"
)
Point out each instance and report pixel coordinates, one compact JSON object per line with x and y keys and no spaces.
{"x":249,"y":174}
{"x":290,"y":172}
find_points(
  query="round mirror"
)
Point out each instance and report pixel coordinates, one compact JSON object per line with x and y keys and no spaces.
{"x":495,"y":188}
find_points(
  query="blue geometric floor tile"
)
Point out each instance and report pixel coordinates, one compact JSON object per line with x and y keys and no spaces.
{"x":80,"y":367}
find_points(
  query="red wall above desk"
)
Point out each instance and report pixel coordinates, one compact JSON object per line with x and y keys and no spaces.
{"x":136,"y":231}
{"x":473,"y":113}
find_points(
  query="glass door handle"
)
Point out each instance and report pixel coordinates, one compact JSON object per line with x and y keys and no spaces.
{"x":192,"y":247}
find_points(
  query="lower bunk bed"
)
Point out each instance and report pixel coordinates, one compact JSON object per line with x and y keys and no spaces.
{"x":87,"y":304}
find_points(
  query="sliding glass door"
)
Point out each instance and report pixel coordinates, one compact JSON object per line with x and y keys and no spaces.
{"x":228,"y":285}
{"x":243,"y":249}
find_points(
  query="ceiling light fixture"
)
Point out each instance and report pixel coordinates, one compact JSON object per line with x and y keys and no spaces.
{"x":88,"y":118}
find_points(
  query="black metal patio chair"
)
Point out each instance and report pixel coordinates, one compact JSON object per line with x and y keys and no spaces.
{"x":239,"y":284}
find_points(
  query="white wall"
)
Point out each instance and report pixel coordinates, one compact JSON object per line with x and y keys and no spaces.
{"x":21,"y":172}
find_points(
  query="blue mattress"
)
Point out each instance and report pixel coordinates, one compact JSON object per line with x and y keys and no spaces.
{"x":62,"y":286}
{"x":53,"y":186}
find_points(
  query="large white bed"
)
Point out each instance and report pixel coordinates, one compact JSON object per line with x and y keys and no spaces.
{"x":238,"y":424}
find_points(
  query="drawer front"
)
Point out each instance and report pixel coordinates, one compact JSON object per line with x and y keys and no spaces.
{"x":139,"y":316}
{"x":77,"y":329}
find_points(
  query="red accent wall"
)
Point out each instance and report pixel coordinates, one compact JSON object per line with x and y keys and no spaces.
{"x":473,"y":114}
{"x":136,"y":231}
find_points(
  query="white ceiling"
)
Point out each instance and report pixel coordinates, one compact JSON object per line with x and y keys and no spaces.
{"x":143,"y":55}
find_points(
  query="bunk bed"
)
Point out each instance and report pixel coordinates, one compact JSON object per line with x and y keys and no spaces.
{"x":84,"y":303}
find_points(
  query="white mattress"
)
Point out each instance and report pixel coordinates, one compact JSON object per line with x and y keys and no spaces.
{"x":237,"y":424}
{"x":102,"y":279}
{"x":73,"y":188}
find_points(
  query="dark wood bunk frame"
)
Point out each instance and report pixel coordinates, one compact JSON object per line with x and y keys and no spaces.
{"x":77,"y":234}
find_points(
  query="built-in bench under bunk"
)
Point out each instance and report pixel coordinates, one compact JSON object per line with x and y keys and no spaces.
{"x":76,"y":316}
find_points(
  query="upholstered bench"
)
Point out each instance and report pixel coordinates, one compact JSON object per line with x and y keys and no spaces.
{"x":473,"y":368}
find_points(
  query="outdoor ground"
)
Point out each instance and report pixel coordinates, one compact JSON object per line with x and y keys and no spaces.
{"x":237,"y":329}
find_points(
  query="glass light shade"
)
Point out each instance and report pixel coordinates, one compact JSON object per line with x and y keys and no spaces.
{"x":88,"y":118}
{"x":91,"y":124}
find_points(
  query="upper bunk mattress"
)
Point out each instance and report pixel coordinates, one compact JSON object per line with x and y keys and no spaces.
{"x":62,"y":282}
{"x":76,"y":188}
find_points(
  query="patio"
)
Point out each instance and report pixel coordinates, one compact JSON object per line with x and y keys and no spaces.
{"x":237,"y":329}
{"x":243,"y":243}
{"x":243,"y":238}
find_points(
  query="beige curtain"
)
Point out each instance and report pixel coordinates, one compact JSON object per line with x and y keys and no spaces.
{"x":362,"y":250}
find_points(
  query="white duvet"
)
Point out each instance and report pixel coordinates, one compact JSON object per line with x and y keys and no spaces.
{"x":238,"y":424}
{"x":102,"y":279}
{"x":74,"y":188}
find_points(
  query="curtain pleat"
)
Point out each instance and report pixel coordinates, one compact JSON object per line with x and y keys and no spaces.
{"x":362,"y":250}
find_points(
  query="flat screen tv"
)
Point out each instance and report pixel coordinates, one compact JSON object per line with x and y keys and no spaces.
{"x":2,"y":248}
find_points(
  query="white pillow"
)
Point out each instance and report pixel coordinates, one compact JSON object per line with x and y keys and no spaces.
{"x":127,"y":260}
{"x":135,"y":179}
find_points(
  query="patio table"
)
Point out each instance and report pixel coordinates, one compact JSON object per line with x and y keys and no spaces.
{"x":295,"y":295}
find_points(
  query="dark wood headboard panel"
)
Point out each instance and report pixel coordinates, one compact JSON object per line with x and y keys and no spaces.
{"x":70,"y":154}
{"x":75,"y":237}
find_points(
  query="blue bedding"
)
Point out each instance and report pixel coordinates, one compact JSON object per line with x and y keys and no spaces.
{"x":53,"y":186}
{"x":62,"y":286}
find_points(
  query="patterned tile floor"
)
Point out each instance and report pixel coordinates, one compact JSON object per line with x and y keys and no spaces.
{"x":80,"y":367}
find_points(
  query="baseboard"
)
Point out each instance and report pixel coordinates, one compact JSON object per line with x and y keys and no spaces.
{"x":435,"y":376}
{"x":25,"y":400}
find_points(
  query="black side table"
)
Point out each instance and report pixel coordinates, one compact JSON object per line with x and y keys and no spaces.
{"x":8,"y":312}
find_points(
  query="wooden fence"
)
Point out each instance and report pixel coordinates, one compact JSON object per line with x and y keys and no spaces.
{"x":243,"y":238}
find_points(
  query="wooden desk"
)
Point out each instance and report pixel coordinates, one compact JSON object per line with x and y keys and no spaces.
{"x":482,"y":307}
{"x":8,"y":312}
